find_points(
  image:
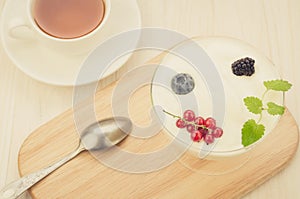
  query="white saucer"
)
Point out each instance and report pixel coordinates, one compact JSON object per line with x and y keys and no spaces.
{"x":52,"y":67}
{"x":215,"y":53}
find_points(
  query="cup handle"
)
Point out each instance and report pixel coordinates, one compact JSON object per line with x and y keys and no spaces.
{"x":20,"y":29}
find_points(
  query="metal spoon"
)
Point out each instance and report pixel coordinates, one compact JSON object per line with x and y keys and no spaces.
{"x":100,"y":135}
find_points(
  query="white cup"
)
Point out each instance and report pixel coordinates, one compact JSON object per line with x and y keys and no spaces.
{"x":25,"y":28}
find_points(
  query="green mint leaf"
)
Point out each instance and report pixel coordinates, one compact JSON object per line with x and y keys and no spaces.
{"x":251,"y":132}
{"x":253,"y":104}
{"x":278,"y":85}
{"x":274,"y":109}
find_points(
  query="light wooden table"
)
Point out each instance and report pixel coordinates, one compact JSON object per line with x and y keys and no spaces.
{"x":273,"y":26}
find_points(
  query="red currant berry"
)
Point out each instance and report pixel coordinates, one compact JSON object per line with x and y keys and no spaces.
{"x":196,"y":136}
{"x":218,"y":132}
{"x":199,"y":120}
{"x":209,"y":138}
{"x":210,"y":123}
{"x":190,"y":128}
{"x":180,"y":123}
{"x":189,"y":115}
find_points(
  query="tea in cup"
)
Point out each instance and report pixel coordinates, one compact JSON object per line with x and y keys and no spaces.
{"x":67,"y":25}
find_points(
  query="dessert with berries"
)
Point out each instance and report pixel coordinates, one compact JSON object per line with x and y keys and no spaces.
{"x":232,"y":104}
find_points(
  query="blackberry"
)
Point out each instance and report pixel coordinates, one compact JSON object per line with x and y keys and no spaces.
{"x":243,"y":66}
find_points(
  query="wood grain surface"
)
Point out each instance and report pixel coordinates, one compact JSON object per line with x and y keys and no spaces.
{"x":186,"y":177}
{"x":272,"y":26}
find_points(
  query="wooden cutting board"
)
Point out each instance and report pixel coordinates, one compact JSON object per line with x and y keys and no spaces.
{"x":187,"y":177}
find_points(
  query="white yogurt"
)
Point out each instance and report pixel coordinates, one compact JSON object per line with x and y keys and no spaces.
{"x":222,"y":52}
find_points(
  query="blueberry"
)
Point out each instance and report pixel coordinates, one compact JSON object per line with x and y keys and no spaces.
{"x":182,"y":84}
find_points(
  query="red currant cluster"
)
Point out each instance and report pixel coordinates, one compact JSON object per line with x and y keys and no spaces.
{"x":198,"y":127}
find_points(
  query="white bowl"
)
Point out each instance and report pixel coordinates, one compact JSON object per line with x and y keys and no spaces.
{"x":214,"y":79}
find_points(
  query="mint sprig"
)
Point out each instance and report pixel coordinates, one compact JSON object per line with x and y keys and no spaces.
{"x":278,"y":85}
{"x":252,"y":130}
{"x":253,"y":104}
{"x":275,"y":109}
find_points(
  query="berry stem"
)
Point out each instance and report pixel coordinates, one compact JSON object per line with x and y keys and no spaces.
{"x":196,"y":125}
{"x":175,"y":116}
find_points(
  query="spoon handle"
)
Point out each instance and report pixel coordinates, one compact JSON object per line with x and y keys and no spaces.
{"x":16,"y":188}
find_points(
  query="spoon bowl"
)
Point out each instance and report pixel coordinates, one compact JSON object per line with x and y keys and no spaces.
{"x":105,"y":133}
